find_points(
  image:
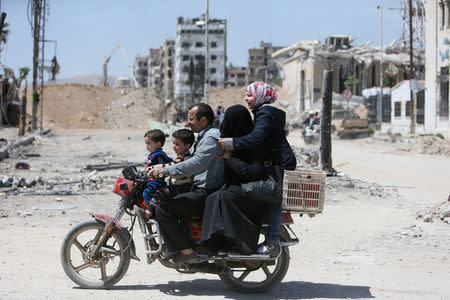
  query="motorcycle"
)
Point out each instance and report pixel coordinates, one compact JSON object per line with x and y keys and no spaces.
{"x":96,"y":252}
{"x":311,"y":134}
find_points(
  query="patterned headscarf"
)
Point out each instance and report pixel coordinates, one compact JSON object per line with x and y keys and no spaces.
{"x":262,"y":92}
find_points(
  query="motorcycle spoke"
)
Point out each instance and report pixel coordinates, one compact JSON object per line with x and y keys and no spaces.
{"x":110,"y":251}
{"x":244,"y":274}
{"x":80,"y":247}
{"x":97,"y":236}
{"x":266,"y":270}
{"x":82,"y":267}
{"x":103,"y":268}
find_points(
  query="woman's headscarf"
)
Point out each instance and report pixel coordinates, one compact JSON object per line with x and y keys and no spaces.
{"x":262,"y":92}
{"x":237,"y":122}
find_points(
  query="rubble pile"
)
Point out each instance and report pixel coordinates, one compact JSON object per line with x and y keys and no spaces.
{"x":439,"y":212}
{"x":422,"y":144}
{"x":433,"y":145}
{"x":133,"y":109}
{"x":343,"y":183}
{"x":307,"y":158}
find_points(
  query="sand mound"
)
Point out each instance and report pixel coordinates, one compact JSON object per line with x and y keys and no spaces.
{"x":89,"y":106}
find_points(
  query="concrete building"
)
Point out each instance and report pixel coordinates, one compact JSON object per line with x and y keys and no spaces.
{"x":400,"y":106}
{"x":261,"y":66}
{"x":167,"y":68}
{"x":190,"y":50}
{"x":437,"y":57}
{"x":141,"y":70}
{"x":236,"y":76}
{"x":154,"y":69}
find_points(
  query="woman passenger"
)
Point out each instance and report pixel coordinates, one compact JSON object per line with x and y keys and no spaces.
{"x":268,"y":133}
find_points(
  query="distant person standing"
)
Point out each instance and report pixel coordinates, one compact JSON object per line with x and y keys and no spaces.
{"x":219,"y":114}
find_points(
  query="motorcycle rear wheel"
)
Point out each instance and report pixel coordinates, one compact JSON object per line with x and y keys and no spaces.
{"x":103,"y":272}
{"x":259,"y":278}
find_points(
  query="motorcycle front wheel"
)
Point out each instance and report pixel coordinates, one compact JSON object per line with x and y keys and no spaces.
{"x":107,"y":268}
{"x":259,"y":276}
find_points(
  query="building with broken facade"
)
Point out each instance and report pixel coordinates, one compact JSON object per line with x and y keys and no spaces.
{"x":437,"y":56}
{"x":236,"y":76}
{"x":190,"y":52}
{"x":167,"y":63}
{"x":358,"y":66}
{"x":261,"y":66}
{"x":140,"y":70}
{"x":154,"y":69}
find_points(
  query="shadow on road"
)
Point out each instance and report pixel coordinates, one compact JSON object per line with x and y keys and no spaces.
{"x":286,"y":290}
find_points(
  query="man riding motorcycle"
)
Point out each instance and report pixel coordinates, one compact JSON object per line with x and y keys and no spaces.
{"x":208,"y":169}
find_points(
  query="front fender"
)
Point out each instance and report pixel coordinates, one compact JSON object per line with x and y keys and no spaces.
{"x":122,"y":230}
{"x":108,"y":219}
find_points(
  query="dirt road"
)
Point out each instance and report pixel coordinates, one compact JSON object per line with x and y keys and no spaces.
{"x":363,"y":246}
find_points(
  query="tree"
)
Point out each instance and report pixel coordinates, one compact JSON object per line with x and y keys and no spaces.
{"x":4,"y":35}
{"x":351,"y":81}
{"x":389,"y":81}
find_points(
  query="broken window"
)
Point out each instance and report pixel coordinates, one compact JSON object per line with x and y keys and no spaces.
{"x":213,"y":83}
{"x":198,"y":44}
{"x":186,"y":57}
{"x":213,"y":44}
{"x":169,"y":74}
{"x":407,"y":108}
{"x":212,"y":70}
{"x":186,"y":69}
{"x":397,"y":109}
{"x":185,"y":45}
{"x":213,"y":57}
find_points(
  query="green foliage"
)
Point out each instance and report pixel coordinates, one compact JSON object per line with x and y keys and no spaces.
{"x":5,"y":32}
{"x":351,"y":81}
{"x":440,"y":135}
{"x":23,"y":72}
{"x":389,"y":81}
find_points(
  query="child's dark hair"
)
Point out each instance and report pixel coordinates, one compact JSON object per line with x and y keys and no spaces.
{"x":186,"y":136}
{"x":156,"y":135}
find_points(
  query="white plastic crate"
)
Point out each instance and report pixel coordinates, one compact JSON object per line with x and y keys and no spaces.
{"x":304,"y":191}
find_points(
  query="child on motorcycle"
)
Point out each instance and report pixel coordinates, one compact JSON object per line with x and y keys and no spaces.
{"x":154,"y":139}
{"x":182,"y":140}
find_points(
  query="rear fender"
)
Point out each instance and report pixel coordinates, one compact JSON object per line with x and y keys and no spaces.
{"x":122,"y":230}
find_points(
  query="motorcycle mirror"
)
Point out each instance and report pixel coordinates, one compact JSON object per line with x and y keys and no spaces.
{"x":130,"y":172}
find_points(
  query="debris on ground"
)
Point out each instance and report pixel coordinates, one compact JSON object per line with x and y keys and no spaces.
{"x":439,"y":212}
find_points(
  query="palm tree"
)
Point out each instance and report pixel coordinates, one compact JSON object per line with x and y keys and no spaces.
{"x":4,"y":33}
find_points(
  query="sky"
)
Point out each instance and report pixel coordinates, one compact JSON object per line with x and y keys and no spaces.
{"x":87,"y":30}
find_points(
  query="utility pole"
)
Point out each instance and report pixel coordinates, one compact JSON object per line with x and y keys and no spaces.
{"x":325,"y":130}
{"x":380,"y":8}
{"x":206,"y":88}
{"x":412,"y":128}
{"x":36,"y":30}
{"x":41,"y":75}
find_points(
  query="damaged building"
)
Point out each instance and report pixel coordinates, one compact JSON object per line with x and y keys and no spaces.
{"x":261,"y":65}
{"x":304,"y":62}
{"x":236,"y":76}
{"x":190,"y":51}
{"x":140,"y":70}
